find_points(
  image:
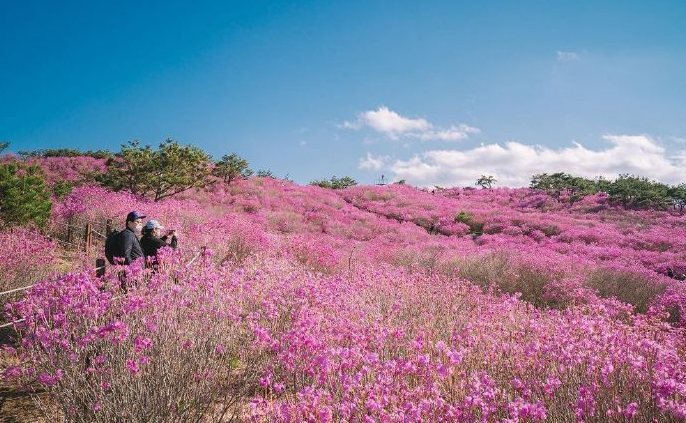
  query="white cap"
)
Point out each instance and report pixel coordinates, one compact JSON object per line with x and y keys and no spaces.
{"x":152,"y":224}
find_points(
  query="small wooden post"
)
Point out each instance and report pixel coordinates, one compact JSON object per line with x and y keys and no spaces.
{"x":203,"y":253}
{"x":100,"y":267}
{"x":70,"y":230}
{"x":108,"y":227}
{"x":88,"y":238}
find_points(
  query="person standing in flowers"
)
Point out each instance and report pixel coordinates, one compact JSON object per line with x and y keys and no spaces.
{"x":153,"y":241}
{"x":123,"y":247}
{"x":129,"y":246}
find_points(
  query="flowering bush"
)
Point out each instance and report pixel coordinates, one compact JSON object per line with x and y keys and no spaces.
{"x":164,"y":352}
{"x":77,"y":170}
{"x":26,"y":257}
{"x":271,"y":341}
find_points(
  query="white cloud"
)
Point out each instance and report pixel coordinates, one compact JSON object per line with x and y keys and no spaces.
{"x":351,"y":125}
{"x":451,"y":134}
{"x":371,"y":162}
{"x":567,"y":56}
{"x":302,"y":142}
{"x":394,"y":126}
{"x":680,"y":140}
{"x":391,"y":123}
{"x":514,"y":163}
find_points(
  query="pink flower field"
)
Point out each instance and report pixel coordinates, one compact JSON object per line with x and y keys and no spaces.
{"x":373,"y":303}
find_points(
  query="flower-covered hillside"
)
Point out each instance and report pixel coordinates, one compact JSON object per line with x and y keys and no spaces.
{"x":365,"y":304}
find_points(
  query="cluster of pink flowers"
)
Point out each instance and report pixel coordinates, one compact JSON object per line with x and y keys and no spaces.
{"x":373,"y":343}
{"x":76,"y":170}
{"x":369,"y":304}
{"x":69,"y":169}
{"x":327,"y":229}
{"x":26,"y":257}
{"x":588,"y":235}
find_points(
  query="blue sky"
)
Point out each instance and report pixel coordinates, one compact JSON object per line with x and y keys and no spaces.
{"x":435,"y":92}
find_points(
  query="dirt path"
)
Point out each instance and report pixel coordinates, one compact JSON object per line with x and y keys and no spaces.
{"x":16,"y":406}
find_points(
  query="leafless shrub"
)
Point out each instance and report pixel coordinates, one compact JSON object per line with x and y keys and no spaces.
{"x":632,"y":288}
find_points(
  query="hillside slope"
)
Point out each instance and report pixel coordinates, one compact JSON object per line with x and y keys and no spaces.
{"x":367,"y":304}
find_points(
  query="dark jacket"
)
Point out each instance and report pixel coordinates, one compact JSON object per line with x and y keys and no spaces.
{"x":151,"y":244}
{"x":131,"y":246}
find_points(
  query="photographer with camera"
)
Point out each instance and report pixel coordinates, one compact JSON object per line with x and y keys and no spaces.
{"x":153,"y":241}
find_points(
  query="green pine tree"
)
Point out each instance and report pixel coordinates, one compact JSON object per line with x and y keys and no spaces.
{"x":24,"y":198}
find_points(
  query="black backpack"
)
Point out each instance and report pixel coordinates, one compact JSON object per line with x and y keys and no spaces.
{"x":113,"y":245}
